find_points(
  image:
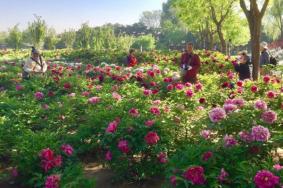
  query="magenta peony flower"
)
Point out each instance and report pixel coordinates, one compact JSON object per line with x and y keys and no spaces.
{"x":108,"y":156}
{"x":85,"y":93}
{"x":246,"y":136}
{"x":198,"y":87}
{"x":149,"y":123}
{"x":151,"y":138}
{"x":57,"y":161}
{"x":266,"y":79}
{"x":173,"y":180}
{"x":170,"y":87}
{"x":229,"y":108}
{"x":14,"y":172}
{"x":269,"y":117}
{"x":46,"y":165}
{"x":195,"y":175}
{"x":277,"y":167}
{"x":162,"y":157}
{"x":134,"y":112}
{"x":52,"y":181}
{"x":265,"y":179}
{"x":207,"y":155}
{"x":271,"y":94}
{"x":39,"y":95}
{"x":19,"y":87}
{"x":155,"y":111}
{"x":239,"y":102}
{"x":254,"y":89}
{"x":94,"y":100}
{"x":260,"y":105}
{"x":67,"y":149}
{"x":112,"y":127}
{"x":123,"y":146}
{"x":217,"y":114}
{"x":189,"y":93}
{"x":260,"y":134}
{"x":46,"y":154}
{"x":223,"y":175}
{"x":67,"y":86}
{"x":179,"y":86}
{"x":229,"y":141}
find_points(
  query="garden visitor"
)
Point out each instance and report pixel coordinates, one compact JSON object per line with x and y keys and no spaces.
{"x":243,"y":68}
{"x":190,"y":65}
{"x":131,"y":59}
{"x":264,"y":56}
{"x":34,"y":64}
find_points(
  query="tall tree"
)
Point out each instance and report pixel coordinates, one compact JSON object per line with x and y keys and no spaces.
{"x":254,"y":16}
{"x":83,"y":36}
{"x":151,"y":19}
{"x":276,"y":14}
{"x":37,"y":31}
{"x":68,"y":38}
{"x":50,"y":39}
{"x":15,"y":37}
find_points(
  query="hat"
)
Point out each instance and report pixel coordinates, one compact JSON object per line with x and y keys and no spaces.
{"x":34,"y":50}
{"x":264,"y":45}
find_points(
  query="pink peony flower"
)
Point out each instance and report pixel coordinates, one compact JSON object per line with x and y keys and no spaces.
{"x":260,"y":133}
{"x":229,"y":141}
{"x":189,"y":93}
{"x":45,"y":106}
{"x":162,"y":157}
{"x":94,"y":100}
{"x":277,"y":167}
{"x":112,"y":127}
{"x":134,"y":112}
{"x":108,"y":156}
{"x":254,"y":89}
{"x":57,"y":161}
{"x":223,"y":175}
{"x":47,"y":165}
{"x":207,"y":155}
{"x":123,"y":146}
{"x":67,"y":149}
{"x":147,"y":92}
{"x":195,"y":175}
{"x":239,"y":102}
{"x":260,"y":105}
{"x":52,"y":181}
{"x":179,"y":86}
{"x":39,"y":95}
{"x":156,"y":102}
{"x":217,"y":114}
{"x":72,"y":94}
{"x":229,"y":108}
{"x":67,"y":86}
{"x":116,"y":96}
{"x":265,"y":179}
{"x":206,"y":134}
{"x":149,"y":123}
{"x":198,"y":87}
{"x":151,"y":138}
{"x":269,"y":117}
{"x":155,"y":111}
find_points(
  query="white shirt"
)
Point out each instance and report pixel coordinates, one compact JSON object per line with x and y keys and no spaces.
{"x":31,"y":66}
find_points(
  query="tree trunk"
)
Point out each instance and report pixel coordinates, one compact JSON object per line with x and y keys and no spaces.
{"x":255,"y":32}
{"x":221,"y":38}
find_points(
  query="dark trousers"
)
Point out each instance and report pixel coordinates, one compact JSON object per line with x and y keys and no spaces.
{"x":25,"y":75}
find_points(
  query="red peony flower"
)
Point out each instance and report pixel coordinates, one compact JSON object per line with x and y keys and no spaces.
{"x":151,"y":138}
{"x":195,"y":175}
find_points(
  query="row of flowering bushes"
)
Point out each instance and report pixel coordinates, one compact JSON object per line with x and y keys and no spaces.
{"x":142,"y":122}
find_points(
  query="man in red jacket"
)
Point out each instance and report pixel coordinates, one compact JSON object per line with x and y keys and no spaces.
{"x":190,"y":65}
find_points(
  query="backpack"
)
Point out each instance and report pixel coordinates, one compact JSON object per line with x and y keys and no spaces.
{"x":273,"y":60}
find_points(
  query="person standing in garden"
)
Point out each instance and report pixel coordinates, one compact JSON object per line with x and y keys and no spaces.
{"x":243,"y":68}
{"x":34,"y":64}
{"x":131,"y":59}
{"x":264,"y":56}
{"x":190,"y":65}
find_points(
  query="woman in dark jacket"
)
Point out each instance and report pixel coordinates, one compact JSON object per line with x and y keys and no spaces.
{"x":243,"y":68}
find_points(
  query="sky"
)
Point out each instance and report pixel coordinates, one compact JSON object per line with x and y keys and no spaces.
{"x":65,"y":14}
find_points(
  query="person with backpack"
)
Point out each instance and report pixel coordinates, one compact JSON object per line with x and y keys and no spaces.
{"x":34,"y":64}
